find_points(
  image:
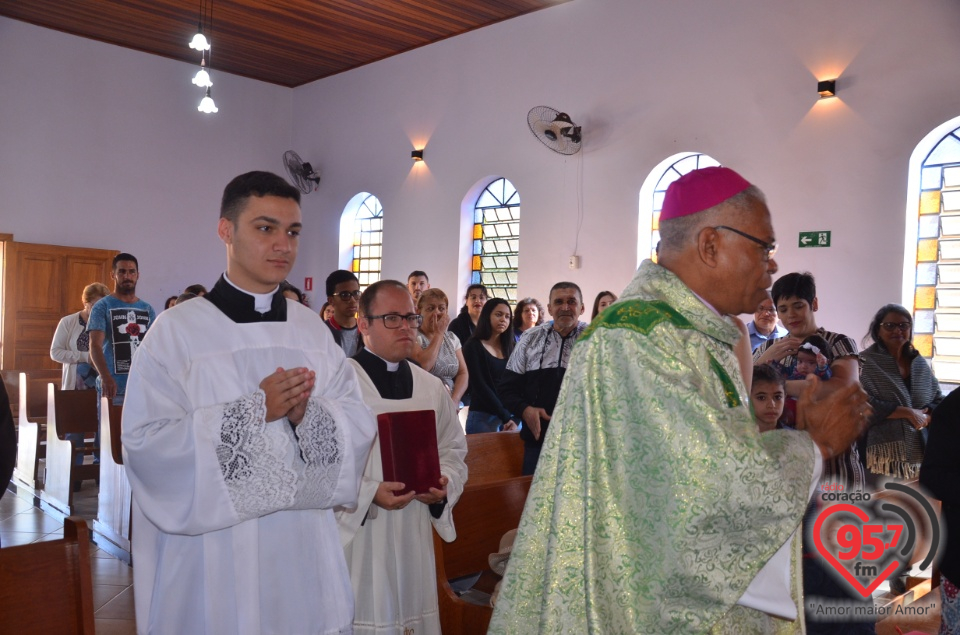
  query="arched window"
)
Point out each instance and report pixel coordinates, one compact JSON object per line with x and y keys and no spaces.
{"x":496,"y":240}
{"x":361,"y":238}
{"x":933,"y":228}
{"x":651,"y":197}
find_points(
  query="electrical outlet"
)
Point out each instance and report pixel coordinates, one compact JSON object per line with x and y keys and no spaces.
{"x":574,"y":262}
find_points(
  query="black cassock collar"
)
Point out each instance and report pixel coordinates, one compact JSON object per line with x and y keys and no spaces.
{"x":240,"y":307}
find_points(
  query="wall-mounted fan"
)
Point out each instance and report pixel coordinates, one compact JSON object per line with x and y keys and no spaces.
{"x":301,"y":172}
{"x":554,"y":129}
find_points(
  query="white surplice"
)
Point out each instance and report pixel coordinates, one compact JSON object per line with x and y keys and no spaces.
{"x":390,"y":552}
{"x":233,"y":528}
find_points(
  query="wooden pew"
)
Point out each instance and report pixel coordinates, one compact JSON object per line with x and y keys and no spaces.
{"x":68,"y":412}
{"x":493,"y":456}
{"x":111,"y":528}
{"x":46,"y":587}
{"x":31,"y":419}
{"x":483,"y":514}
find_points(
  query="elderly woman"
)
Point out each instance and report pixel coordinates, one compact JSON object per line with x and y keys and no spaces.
{"x":440,"y":350}
{"x":71,"y":342}
{"x":528,"y":314}
{"x":903,"y":393}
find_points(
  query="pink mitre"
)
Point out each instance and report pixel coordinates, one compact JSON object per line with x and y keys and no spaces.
{"x":699,"y":190}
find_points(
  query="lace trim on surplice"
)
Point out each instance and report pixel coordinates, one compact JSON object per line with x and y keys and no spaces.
{"x":252,"y":461}
{"x":322,"y":446}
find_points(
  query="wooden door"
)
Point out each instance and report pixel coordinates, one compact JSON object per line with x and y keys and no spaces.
{"x":41,"y":284}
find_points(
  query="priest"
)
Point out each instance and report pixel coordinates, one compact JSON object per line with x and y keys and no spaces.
{"x":657,"y":506}
{"x":388,"y":536}
{"x":243,"y":428}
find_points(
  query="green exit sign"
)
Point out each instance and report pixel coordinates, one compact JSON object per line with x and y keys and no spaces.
{"x":814,"y":239}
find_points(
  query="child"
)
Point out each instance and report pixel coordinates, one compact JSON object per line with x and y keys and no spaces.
{"x":812,"y":359}
{"x":767,"y":395}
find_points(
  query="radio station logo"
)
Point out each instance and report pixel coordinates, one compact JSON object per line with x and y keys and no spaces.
{"x":869,"y":538}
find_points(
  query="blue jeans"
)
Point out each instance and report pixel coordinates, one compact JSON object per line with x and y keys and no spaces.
{"x":482,"y":422}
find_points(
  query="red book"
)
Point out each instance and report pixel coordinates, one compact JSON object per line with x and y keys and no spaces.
{"x":408,"y":449}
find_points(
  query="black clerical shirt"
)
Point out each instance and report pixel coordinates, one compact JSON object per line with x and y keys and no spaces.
{"x":240,"y":306}
{"x":395,"y":385}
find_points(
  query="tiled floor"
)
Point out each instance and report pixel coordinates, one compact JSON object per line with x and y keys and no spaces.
{"x":21,"y":523}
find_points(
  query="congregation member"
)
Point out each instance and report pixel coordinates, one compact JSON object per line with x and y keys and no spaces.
{"x":388,"y":535}
{"x":170,"y":302}
{"x":197,"y":289}
{"x":439,"y":351}
{"x":602,"y":301}
{"x":531,"y":383}
{"x":326,"y":311}
{"x":527,"y":314}
{"x":243,"y":427}
{"x":71,"y":342}
{"x":764,"y":325}
{"x":767,"y":393}
{"x":343,"y":294}
{"x":486,"y":354}
{"x":639,"y":520}
{"x":186,"y":295}
{"x":117,"y":326}
{"x":795,"y":296}
{"x":292,"y":292}
{"x":903,"y":392}
{"x":417,"y":283}
{"x":466,"y":321}
{"x":813,"y":358}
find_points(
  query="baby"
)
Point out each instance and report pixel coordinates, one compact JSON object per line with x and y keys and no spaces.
{"x":767,"y":395}
{"x":812,"y":359}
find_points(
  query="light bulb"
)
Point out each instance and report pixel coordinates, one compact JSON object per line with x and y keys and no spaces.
{"x":199,"y":42}
{"x":206,"y":104}
{"x":202,"y":78}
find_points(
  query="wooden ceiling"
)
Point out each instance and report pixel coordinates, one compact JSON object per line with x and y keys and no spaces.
{"x":286,"y":42}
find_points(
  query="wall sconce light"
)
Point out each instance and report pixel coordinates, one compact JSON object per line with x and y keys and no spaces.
{"x":827,"y":88}
{"x":417,"y":156}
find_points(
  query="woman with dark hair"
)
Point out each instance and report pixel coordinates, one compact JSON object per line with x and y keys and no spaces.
{"x":171,"y":301}
{"x":486,"y":353}
{"x":463,"y":325}
{"x":326,"y":311}
{"x":528,"y":314}
{"x":903,"y":393}
{"x":603,"y":300}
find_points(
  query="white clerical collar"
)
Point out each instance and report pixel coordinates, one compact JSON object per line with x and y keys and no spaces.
{"x":391,"y":366}
{"x":262,"y":302}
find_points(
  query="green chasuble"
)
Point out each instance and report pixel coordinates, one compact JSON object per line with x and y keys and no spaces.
{"x":656,"y":500}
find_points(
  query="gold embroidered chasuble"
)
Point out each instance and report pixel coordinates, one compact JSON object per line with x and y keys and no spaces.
{"x":656,"y":500}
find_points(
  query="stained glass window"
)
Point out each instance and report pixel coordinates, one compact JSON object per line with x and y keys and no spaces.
{"x":496,"y":240}
{"x":936,"y":300}
{"x":673,"y":172}
{"x":367,"y":241}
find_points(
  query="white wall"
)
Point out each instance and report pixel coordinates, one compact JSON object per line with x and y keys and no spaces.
{"x":103,"y":147}
{"x":736,"y":80}
{"x":117,"y":156}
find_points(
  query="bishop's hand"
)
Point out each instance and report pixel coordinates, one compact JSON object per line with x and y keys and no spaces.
{"x":833,"y":415}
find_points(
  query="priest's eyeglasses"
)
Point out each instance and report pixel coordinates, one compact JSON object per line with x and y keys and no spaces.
{"x":769,"y":249}
{"x":395,"y":320}
{"x":346,"y":295}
